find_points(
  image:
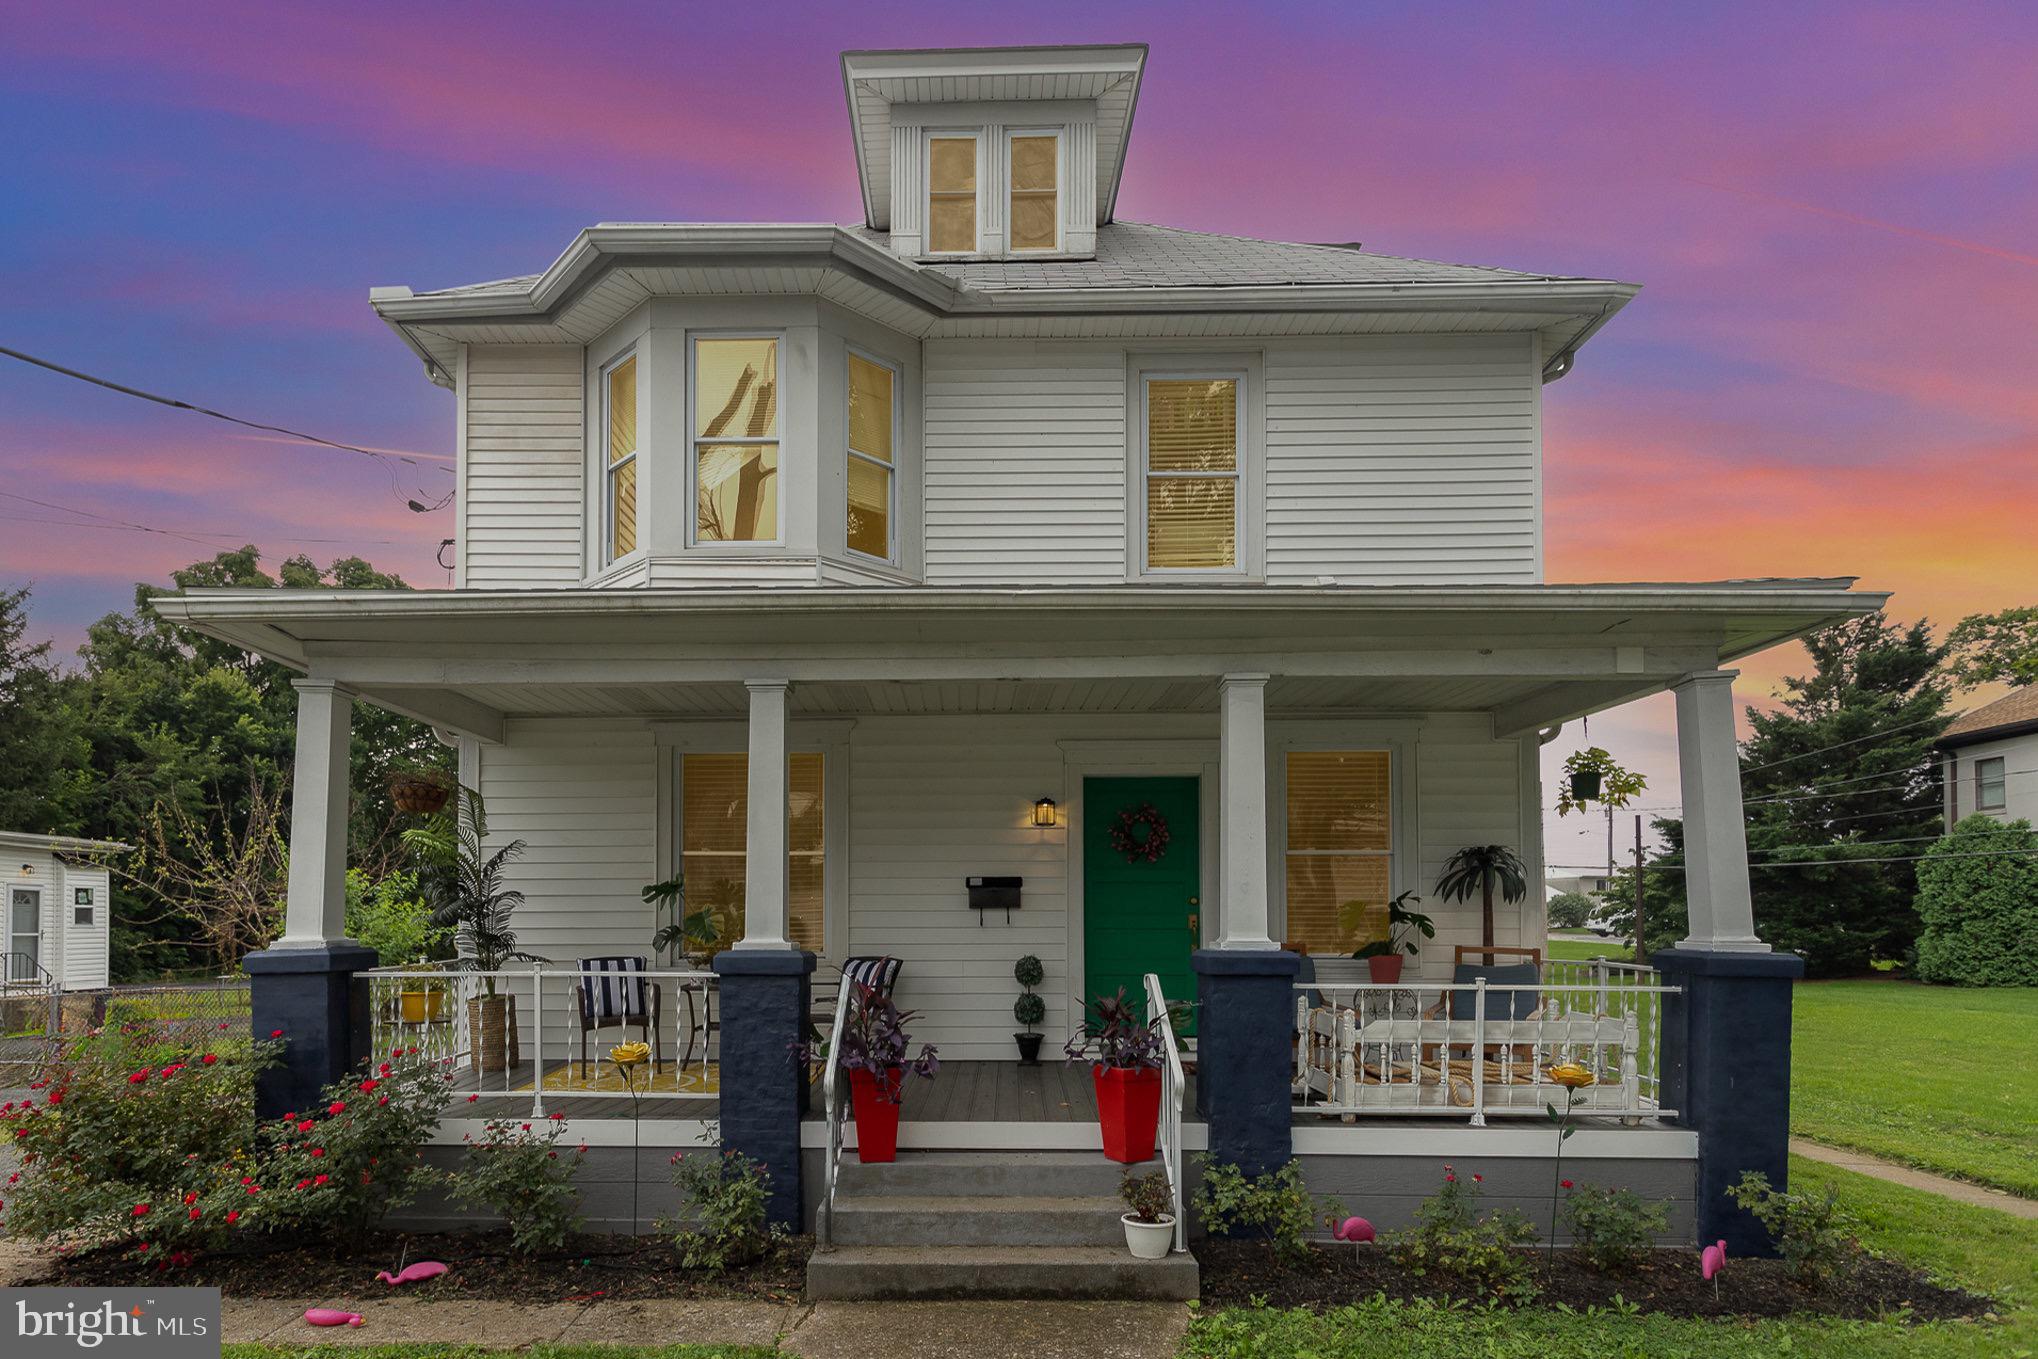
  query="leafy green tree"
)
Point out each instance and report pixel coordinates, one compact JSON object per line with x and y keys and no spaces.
{"x":1992,"y":648}
{"x":1978,"y":899}
{"x":43,"y":784}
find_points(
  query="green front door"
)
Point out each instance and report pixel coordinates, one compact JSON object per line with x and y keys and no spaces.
{"x":1140,"y":915}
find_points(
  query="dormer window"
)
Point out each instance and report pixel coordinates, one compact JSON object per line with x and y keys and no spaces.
{"x":1035,"y":217}
{"x":733,"y":382}
{"x":951,"y":195}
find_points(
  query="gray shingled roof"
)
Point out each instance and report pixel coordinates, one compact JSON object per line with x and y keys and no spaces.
{"x":1136,"y":255}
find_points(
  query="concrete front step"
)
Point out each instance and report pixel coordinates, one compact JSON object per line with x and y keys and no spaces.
{"x":854,"y":1272}
{"x":979,"y":1173}
{"x":976,"y":1220}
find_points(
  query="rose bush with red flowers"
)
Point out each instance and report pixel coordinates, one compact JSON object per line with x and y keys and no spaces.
{"x":520,"y":1174}
{"x":131,"y":1120}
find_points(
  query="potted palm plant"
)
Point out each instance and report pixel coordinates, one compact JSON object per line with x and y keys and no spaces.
{"x":465,"y":885}
{"x":1029,"y":1009}
{"x":873,"y":1051}
{"x":1126,"y":1070}
{"x":1479,"y":868}
{"x":1150,"y":1217}
{"x":695,"y":935}
{"x":1384,"y":956}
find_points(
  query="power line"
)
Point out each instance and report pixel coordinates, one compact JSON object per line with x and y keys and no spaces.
{"x":1872,"y":736}
{"x":199,"y":536}
{"x":176,"y":404}
{"x":1829,"y":863}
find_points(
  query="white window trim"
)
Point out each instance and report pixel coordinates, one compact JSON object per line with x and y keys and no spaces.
{"x":1061,"y":176}
{"x":2002,"y":784}
{"x":738,"y":546}
{"x":828,"y":738}
{"x":1397,"y":739}
{"x":609,"y":556}
{"x":977,"y":138}
{"x":898,"y":430}
{"x":1247,"y":548}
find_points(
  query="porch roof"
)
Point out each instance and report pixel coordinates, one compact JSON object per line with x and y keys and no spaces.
{"x":1529,"y":654}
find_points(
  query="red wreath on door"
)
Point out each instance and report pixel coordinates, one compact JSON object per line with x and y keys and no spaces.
{"x":1140,"y":834}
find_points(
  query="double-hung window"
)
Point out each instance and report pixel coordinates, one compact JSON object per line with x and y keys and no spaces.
{"x":1990,"y":785}
{"x":951,"y":195}
{"x":1340,"y":853}
{"x":1190,"y":427}
{"x":619,"y":417}
{"x":1034,"y":221}
{"x":714,"y":817}
{"x":873,"y":389}
{"x":734,"y":382}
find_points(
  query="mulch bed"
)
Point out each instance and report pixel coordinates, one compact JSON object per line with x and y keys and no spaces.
{"x":1238,"y":1272}
{"x":483,"y":1269}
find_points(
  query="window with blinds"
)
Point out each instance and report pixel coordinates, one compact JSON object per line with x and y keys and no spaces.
{"x":1035,"y":200}
{"x":1191,"y":431}
{"x":951,"y":195}
{"x":714,"y":813}
{"x":619,"y":401}
{"x":1340,"y":859}
{"x":735,"y":445}
{"x":872,"y":387}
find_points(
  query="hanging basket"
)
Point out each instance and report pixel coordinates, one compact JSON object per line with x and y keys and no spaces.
{"x":1585,"y":786}
{"x":418,"y":794}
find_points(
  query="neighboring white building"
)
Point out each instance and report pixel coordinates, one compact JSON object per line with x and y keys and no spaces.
{"x":1989,"y":759}
{"x":1582,"y":884}
{"x":57,"y":916}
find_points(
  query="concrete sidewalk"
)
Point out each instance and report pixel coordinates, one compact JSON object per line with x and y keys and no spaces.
{"x":1959,"y":1190}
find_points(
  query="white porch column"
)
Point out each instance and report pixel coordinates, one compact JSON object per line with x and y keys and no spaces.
{"x":1722,"y":913}
{"x":316,"y":911}
{"x":765,"y":880}
{"x":1242,"y":812}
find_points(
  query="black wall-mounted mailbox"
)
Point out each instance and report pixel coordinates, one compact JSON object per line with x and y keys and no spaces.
{"x":994,"y":894}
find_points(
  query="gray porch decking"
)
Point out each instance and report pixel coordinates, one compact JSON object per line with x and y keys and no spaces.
{"x":1005,"y":1092}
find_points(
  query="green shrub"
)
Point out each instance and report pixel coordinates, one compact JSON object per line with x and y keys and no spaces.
{"x":726,"y":1194}
{"x":1570,"y":910}
{"x":1978,"y":905}
{"x":1276,"y":1205}
{"x":1451,"y":1237}
{"x":390,"y":915}
{"x":337,"y":1169}
{"x":138,"y":1137}
{"x":1812,"y":1233}
{"x":517,"y":1171}
{"x":1613,"y":1229}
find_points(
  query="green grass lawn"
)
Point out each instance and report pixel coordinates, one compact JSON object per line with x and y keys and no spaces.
{"x":1937,"y":1077}
{"x":1585,"y":950}
{"x":546,"y":1351}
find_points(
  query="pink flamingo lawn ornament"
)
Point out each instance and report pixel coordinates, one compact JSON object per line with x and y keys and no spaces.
{"x":417,"y":1273}
{"x":1711,"y":1261}
{"x":1356,"y":1230}
{"x":331,"y":1316}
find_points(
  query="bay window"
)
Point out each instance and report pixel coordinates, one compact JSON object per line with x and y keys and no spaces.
{"x":873,"y":390}
{"x":951,"y":195}
{"x":1340,"y":858}
{"x":1190,"y":468}
{"x":734,"y":385}
{"x":619,"y":418}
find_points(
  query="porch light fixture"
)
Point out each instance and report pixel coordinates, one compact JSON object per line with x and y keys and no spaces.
{"x":1043,"y":812}
{"x":28,"y":870}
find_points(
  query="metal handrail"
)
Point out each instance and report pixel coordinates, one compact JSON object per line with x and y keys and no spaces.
{"x":35,"y":984}
{"x":1173,"y":1082}
{"x":831,"y":1110}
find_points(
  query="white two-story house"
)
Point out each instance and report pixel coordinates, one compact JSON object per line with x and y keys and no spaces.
{"x":994,"y":536}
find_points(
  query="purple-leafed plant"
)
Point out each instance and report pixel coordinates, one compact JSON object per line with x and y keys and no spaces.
{"x":1117,"y":1038}
{"x":874,"y":1039}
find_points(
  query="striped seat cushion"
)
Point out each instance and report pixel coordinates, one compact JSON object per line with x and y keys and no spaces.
{"x":879,"y":974}
{"x":615,"y":991}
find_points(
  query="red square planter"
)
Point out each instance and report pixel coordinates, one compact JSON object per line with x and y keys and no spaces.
{"x":1128,"y":1111}
{"x":877,"y":1120}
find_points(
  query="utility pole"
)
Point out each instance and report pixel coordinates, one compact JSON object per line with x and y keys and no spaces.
{"x":1641,"y":949}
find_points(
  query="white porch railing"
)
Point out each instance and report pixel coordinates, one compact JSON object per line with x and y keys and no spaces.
{"x":1438,"y":1049}
{"x":832,"y":1103}
{"x":520,"y":1031}
{"x":1173,"y":1083}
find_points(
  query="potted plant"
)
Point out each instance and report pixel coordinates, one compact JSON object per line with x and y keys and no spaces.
{"x":419,"y":790}
{"x":695,"y":935}
{"x":465,"y":884}
{"x":1384,"y":956}
{"x":1591,"y":775}
{"x":1479,"y":868}
{"x":1127,"y":1073}
{"x":1150,"y":1223}
{"x":1029,"y":1009}
{"x":422,"y":1000}
{"x":873,"y":1052}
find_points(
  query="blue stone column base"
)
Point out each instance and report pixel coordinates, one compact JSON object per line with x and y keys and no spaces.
{"x":319,"y":999}
{"x":763,"y":1090}
{"x":1244,"y":1062}
{"x":1726,"y":1071}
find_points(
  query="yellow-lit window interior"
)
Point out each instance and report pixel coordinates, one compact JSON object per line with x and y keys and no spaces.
{"x":714,"y":814}
{"x":871,"y":394}
{"x":1192,"y":473}
{"x":951,"y":195}
{"x":1036,"y":214}
{"x":735,"y":396}
{"x":1340,"y":848}
{"x":621,"y":401}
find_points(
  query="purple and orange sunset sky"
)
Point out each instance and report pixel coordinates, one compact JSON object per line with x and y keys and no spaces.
{"x":1834,"y":208}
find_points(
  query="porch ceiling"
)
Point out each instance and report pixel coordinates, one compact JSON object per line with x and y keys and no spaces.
{"x":1531,"y":655}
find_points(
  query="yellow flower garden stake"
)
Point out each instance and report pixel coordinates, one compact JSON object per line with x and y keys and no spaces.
{"x":1575,"y":1078}
{"x":628,"y":1057}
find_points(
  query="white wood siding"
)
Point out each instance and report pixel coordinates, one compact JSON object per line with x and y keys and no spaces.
{"x":1410,"y":460}
{"x":522,"y":501}
{"x":1025,"y":463}
{"x":84,"y":947}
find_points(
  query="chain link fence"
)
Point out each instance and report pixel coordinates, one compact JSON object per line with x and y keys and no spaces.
{"x":38,"y":1026}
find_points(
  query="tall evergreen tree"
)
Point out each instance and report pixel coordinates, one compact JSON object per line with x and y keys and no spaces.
{"x":43,"y":784}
